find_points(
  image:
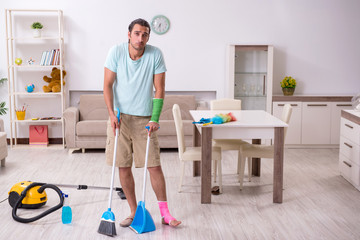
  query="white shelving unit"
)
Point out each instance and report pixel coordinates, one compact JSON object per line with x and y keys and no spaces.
{"x":21,"y":44}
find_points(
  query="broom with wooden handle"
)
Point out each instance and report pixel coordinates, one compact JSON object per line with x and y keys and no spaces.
{"x":107,"y":224}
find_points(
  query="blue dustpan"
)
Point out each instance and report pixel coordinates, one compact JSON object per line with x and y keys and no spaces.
{"x":143,"y":221}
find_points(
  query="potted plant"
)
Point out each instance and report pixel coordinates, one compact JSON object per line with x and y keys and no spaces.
{"x":37,"y":26}
{"x":288,"y":85}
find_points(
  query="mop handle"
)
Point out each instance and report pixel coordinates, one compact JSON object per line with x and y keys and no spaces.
{"x":113,"y":169}
{"x":146,"y":163}
{"x":114,"y":159}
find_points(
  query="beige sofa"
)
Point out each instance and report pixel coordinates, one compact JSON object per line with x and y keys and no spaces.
{"x":167,"y":132}
{"x":85,"y":126}
{"x":3,"y":144}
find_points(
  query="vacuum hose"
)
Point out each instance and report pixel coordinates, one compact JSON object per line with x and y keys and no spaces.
{"x":40,"y":190}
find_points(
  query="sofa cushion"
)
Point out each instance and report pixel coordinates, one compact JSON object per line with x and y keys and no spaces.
{"x":170,"y":141}
{"x":186,"y":103}
{"x":91,"y":128}
{"x":3,"y":141}
{"x":93,"y":107}
{"x":167,"y":127}
{"x":3,"y":147}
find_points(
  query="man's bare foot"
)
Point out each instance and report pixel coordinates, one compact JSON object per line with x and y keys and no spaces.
{"x":173,"y":223}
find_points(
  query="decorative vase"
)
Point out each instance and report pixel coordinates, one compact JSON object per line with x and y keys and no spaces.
{"x":288,"y":91}
{"x":36,"y":33}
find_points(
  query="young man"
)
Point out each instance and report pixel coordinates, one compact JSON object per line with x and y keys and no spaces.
{"x":132,"y":69}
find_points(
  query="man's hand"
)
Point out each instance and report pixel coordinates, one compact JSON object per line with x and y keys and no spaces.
{"x":114,"y":123}
{"x":153,"y":126}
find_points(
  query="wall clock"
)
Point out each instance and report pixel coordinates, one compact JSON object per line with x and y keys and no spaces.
{"x":160,"y":24}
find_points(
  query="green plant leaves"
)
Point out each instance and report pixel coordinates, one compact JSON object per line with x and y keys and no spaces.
{"x":2,"y":80}
{"x":36,"y":25}
{"x":288,"y":82}
{"x":3,"y":109}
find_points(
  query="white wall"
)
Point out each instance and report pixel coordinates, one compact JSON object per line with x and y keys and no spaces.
{"x":316,"y":41}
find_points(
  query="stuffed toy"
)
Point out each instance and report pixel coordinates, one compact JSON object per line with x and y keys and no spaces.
{"x":54,"y":81}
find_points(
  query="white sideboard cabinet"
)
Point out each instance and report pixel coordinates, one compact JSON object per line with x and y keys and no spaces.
{"x":315,"y":120}
{"x":349,"y":154}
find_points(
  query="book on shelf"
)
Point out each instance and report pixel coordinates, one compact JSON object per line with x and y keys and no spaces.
{"x":50,"y":118}
{"x":51,"y":57}
{"x":57,"y":57}
{"x":43,"y":56}
{"x":45,"y":59}
{"x":46,"y":56}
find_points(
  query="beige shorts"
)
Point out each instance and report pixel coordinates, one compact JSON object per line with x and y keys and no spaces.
{"x":132,"y":143}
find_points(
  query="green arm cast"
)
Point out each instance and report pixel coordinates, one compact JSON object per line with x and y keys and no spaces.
{"x":157,"y":107}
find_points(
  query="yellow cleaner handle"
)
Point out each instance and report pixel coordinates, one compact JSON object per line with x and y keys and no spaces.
{"x":205,"y":124}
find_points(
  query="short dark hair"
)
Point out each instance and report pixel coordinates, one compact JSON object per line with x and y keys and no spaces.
{"x":141,"y":22}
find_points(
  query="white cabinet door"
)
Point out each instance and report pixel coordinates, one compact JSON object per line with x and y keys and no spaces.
{"x":336,"y":108}
{"x":293,"y":135}
{"x":316,"y":123}
{"x":250,"y":75}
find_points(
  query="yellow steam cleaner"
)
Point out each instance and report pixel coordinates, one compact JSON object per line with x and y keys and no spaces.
{"x":32,"y":195}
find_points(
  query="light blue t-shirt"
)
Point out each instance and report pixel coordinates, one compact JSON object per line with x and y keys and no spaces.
{"x":133,"y":86}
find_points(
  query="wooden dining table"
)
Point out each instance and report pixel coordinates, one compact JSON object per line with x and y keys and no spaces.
{"x":249,"y":125}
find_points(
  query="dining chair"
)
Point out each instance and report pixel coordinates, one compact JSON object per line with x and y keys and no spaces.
{"x":228,"y":144}
{"x":225,"y":104}
{"x":249,"y":151}
{"x":190,"y":154}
